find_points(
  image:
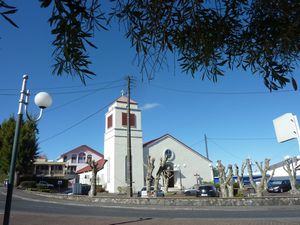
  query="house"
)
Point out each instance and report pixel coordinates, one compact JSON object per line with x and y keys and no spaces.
{"x":187,"y":165}
{"x":77,"y":158}
{"x":48,"y":168}
{"x":85,"y":174}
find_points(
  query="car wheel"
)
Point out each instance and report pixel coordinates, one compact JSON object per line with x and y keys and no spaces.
{"x":281,"y":190}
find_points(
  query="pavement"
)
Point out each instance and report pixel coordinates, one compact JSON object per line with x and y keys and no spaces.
{"x":22,"y":218}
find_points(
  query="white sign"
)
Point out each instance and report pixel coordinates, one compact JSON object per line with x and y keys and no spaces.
{"x":286,"y":127}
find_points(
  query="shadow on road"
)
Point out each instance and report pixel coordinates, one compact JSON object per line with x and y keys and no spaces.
{"x":132,"y":221}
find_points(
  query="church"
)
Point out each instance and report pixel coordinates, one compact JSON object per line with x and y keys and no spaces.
{"x":188,"y":167}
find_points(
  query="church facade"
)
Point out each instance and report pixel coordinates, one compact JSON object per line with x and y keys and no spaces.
{"x":188,"y":167}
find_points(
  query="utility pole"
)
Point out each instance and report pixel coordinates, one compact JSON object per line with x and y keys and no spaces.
{"x":206,"y":148}
{"x":129,"y":160}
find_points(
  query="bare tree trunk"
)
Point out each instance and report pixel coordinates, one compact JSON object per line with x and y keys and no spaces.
{"x":222,"y":178}
{"x":240,"y":178}
{"x":259,"y":188}
{"x":167,"y":177}
{"x":93,"y":165}
{"x":160,"y":171}
{"x":229,"y":181}
{"x":289,"y":167}
{"x":150,"y":169}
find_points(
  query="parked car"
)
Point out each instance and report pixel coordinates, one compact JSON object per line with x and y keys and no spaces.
{"x":44,"y":185}
{"x":69,"y":191}
{"x":143,"y":193}
{"x":279,"y":186}
{"x":207,"y":191}
{"x":85,"y":188}
{"x":190,"y":192}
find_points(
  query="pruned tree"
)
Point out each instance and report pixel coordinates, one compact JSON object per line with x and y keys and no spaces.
{"x":222,"y":178}
{"x":149,"y":178}
{"x":159,"y":174}
{"x":290,"y":167}
{"x":207,"y":38}
{"x":167,"y":175}
{"x":262,"y":185}
{"x":240,"y":177}
{"x":95,"y":168}
{"x":229,"y":181}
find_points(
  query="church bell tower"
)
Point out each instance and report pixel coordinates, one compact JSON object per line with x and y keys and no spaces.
{"x":115,"y":146}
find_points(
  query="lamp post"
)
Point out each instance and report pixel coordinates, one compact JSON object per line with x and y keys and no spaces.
{"x":42,"y":100}
{"x":178,"y":166}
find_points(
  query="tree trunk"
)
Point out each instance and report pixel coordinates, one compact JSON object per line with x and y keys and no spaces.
{"x":222,"y":178}
{"x":93,"y":191}
{"x":229,"y":181}
{"x":240,"y":178}
{"x":289,"y":167}
{"x":150,"y":168}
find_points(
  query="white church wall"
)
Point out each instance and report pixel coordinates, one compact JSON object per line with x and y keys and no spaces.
{"x":184,"y":160}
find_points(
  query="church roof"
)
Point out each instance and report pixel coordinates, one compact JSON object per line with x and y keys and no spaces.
{"x":123,"y":99}
{"x":100,"y":164}
{"x":154,"y":141}
{"x":83,"y":148}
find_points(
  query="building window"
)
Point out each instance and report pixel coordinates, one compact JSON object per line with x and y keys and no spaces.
{"x":65,"y":158}
{"x":74,"y":158}
{"x":132,"y":119}
{"x":169,"y":155}
{"x":89,"y":158}
{"x":71,"y":170}
{"x":109,"y":121}
{"x":81,"y":157}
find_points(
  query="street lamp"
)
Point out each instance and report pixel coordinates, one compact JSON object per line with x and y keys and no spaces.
{"x":178,"y":166}
{"x":42,"y":100}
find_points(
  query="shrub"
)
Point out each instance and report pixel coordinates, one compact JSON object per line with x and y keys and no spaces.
{"x":99,"y":188}
{"x":122,"y":189}
{"x":2,"y":178}
{"x":27,"y":184}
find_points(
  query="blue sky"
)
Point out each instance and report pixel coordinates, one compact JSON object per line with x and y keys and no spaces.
{"x":235,"y":113}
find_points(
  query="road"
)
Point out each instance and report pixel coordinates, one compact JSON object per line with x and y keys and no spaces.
{"x":38,"y":210}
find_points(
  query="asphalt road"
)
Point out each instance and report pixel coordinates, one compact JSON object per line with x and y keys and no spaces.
{"x":33,"y":210}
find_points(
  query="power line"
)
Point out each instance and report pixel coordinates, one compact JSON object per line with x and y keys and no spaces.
{"x":241,"y":139}
{"x":60,"y":88}
{"x":218,"y":93}
{"x":79,"y":98}
{"x":220,"y":147}
{"x":76,"y":124}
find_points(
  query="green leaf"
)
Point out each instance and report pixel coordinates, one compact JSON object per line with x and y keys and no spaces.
{"x":87,"y":72}
{"x":295,"y":86}
{"x":90,"y":43}
{"x":45,"y":3}
{"x":10,"y":11}
{"x":10,"y":21}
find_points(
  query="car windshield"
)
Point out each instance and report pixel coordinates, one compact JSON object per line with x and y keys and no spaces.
{"x":206,"y":187}
{"x":275,"y":182}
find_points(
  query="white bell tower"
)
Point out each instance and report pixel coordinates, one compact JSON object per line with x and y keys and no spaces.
{"x":115,"y":146}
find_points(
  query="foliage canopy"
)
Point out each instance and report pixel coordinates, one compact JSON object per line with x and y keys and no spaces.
{"x":207,"y":36}
{"x":28,"y":146}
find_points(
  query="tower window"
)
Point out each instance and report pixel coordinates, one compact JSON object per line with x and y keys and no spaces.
{"x":109,"y":121}
{"x":132,"y":119}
